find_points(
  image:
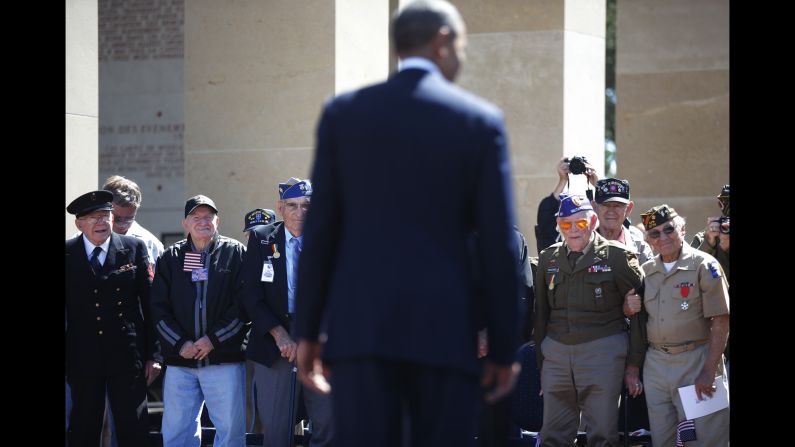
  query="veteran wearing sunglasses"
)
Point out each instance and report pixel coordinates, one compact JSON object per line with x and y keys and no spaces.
{"x":580,"y":327}
{"x":686,"y":314}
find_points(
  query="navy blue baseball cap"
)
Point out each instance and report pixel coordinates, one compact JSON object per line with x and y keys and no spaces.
{"x":258,"y":216}
{"x":612,"y":190}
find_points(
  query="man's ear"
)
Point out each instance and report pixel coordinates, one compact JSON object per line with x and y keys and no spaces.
{"x":630,"y":205}
{"x":440,"y":44}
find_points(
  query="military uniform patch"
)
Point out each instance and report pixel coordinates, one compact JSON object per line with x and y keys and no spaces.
{"x":714,"y":269}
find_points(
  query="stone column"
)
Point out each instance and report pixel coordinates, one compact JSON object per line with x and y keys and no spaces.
{"x":672,"y":110}
{"x":256,"y":75}
{"x":543,"y":63}
{"x":82,"y":110}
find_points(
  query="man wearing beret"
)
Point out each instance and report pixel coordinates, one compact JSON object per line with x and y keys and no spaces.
{"x":110,"y":344}
{"x":686,"y":310}
{"x":270,"y":275}
{"x":580,"y":327}
{"x":195,"y":298}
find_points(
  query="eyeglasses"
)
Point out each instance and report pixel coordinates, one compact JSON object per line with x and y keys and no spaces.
{"x":95,"y":220}
{"x":123,"y":220}
{"x":654,"y":234}
{"x":293,"y":206}
{"x":582,"y":224}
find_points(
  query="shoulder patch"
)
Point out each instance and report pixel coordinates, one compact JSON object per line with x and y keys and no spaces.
{"x":714,"y":268}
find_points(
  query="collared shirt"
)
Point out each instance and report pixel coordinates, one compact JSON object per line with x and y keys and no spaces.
{"x":681,"y":301}
{"x":90,"y":249}
{"x":419,"y":63}
{"x":289,"y":248}
{"x":153,"y":245}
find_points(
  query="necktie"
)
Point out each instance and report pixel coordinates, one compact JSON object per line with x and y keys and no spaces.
{"x":573,"y":257}
{"x":95,"y":265}
{"x":294,"y":253}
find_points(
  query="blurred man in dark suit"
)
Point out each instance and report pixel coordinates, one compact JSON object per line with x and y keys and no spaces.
{"x":389,"y":299}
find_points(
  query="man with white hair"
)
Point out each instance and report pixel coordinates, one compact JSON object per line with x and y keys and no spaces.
{"x":686,"y":315}
{"x":580,"y":328}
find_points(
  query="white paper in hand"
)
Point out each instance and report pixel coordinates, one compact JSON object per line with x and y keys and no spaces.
{"x":695,"y":408}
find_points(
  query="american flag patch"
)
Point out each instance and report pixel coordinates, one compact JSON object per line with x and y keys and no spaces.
{"x":685,"y":431}
{"x":193,"y":260}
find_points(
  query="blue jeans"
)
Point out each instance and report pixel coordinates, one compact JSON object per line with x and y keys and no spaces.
{"x":185,"y":390}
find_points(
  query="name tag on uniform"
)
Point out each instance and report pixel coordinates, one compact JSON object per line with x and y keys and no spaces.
{"x":198,"y":275}
{"x":267,"y":272}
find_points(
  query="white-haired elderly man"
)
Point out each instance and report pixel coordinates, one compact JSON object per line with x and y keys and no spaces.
{"x":580,"y":327}
{"x":686,"y":314}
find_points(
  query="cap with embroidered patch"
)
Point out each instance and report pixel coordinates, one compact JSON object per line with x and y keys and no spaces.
{"x":657,"y":215}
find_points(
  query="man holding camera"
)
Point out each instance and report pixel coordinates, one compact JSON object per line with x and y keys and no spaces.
{"x":546,"y":230}
{"x":715,"y":238}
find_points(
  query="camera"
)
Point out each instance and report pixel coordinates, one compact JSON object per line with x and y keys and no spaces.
{"x":725,"y":226}
{"x":577,"y":165}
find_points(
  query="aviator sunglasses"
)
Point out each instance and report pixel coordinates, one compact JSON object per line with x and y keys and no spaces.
{"x":581,"y":224}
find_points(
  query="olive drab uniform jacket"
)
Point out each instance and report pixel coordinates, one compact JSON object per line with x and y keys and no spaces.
{"x":584,"y":303}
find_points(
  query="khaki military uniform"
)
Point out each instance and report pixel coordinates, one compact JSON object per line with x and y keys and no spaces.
{"x":581,"y":332}
{"x":677,"y":306}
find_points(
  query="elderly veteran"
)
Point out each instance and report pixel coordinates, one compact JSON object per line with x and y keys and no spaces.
{"x":195,"y":308}
{"x":686,"y":305}
{"x":109,"y":340}
{"x":613,"y":207}
{"x":270,"y":275}
{"x":580,"y":326}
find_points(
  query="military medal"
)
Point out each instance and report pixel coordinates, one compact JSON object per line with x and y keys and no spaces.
{"x":598,"y":293}
{"x":684,"y":290}
{"x":276,"y":253}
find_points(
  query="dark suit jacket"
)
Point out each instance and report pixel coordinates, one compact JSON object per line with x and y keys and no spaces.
{"x":265,"y":303}
{"x":404,"y":171}
{"x":106,"y":334}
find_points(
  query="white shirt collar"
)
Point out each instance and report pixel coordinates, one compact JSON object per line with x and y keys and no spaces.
{"x":90,"y":247}
{"x":418,"y":62}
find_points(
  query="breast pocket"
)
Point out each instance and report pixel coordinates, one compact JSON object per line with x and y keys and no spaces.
{"x":686,"y":296}
{"x":601,"y":292}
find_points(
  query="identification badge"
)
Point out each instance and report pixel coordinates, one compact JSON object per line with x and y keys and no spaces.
{"x":198,"y":275}
{"x":267,"y":272}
